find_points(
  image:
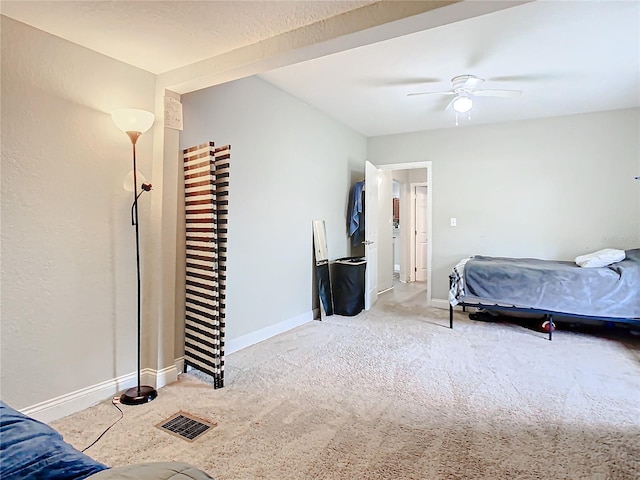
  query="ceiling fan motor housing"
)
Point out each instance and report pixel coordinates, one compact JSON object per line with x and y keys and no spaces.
{"x":465,"y":83}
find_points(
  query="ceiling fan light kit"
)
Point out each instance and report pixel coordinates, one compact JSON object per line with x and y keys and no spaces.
{"x":462,"y":104}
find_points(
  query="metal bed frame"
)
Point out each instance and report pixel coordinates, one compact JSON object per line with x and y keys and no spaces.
{"x":548,"y":314}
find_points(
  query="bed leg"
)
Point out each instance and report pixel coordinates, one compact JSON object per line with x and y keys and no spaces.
{"x":550,"y":318}
{"x":450,"y":316}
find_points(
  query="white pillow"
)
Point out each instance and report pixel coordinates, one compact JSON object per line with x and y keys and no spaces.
{"x":601,"y":258}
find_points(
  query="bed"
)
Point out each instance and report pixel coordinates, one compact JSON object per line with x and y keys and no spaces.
{"x":30,"y":450}
{"x":548,"y":288}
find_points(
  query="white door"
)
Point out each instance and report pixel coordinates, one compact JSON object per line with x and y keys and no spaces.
{"x":421,"y":233}
{"x":371,"y":234}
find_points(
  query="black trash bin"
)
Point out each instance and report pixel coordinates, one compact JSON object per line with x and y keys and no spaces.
{"x":348,"y":285}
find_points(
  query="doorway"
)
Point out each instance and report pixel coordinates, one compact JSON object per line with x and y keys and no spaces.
{"x":414,"y":183}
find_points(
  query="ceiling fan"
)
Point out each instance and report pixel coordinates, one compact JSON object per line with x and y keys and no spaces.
{"x":465,"y":87}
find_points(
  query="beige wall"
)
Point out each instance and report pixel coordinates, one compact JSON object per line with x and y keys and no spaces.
{"x":551,"y":188}
{"x":290,"y":165}
{"x":68,"y":247}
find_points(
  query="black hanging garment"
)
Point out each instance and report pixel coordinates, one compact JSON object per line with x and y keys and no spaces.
{"x":355,"y":214}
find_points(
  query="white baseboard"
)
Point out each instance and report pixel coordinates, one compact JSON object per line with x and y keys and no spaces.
{"x":73,"y":402}
{"x":179,"y":365}
{"x":159,"y":378}
{"x":440,"y":303}
{"x":252,"y":338}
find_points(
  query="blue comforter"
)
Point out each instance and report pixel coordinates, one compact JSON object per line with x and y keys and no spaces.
{"x":32,"y":450}
{"x":612,"y":292}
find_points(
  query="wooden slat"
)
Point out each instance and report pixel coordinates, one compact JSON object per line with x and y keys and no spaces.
{"x":206,"y":175}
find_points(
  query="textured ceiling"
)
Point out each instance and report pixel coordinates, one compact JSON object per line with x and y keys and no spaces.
{"x":567,"y":57}
{"x":162,"y":36}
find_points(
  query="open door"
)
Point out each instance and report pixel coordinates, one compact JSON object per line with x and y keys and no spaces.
{"x":371,"y":234}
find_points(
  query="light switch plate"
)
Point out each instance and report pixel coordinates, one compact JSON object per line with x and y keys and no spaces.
{"x":454,"y":221}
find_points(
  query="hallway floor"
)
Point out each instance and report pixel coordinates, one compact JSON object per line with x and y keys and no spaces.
{"x":405,"y":293}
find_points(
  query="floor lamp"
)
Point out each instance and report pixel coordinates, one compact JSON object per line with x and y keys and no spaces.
{"x":134,"y":123}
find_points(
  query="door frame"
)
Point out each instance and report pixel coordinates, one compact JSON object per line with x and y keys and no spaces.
{"x":428,"y":166}
{"x":371,"y":234}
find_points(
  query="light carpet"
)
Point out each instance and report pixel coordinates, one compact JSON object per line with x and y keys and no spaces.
{"x":394,"y":394}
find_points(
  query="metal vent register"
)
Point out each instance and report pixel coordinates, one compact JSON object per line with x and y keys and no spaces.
{"x":185,"y":426}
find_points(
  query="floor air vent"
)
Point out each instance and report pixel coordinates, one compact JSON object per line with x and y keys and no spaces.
{"x":185,"y":426}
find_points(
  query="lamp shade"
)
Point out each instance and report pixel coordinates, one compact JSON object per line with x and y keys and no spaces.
{"x":127,"y":183}
{"x":132,"y":120}
{"x":462,"y":104}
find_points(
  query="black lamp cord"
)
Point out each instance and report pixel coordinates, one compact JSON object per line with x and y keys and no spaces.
{"x":113,"y":402}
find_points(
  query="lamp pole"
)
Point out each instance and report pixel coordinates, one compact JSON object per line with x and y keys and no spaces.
{"x":134,"y":138}
{"x":140,"y":393}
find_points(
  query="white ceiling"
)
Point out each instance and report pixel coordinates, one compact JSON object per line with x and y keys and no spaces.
{"x":566,"y":56}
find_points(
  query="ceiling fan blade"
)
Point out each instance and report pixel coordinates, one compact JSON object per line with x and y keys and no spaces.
{"x":523,"y":78}
{"x":430,"y":93}
{"x":450,"y":104}
{"x":497,"y":93}
{"x":415,"y":82}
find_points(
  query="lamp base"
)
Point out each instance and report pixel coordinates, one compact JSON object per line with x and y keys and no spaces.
{"x":138,"y":396}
